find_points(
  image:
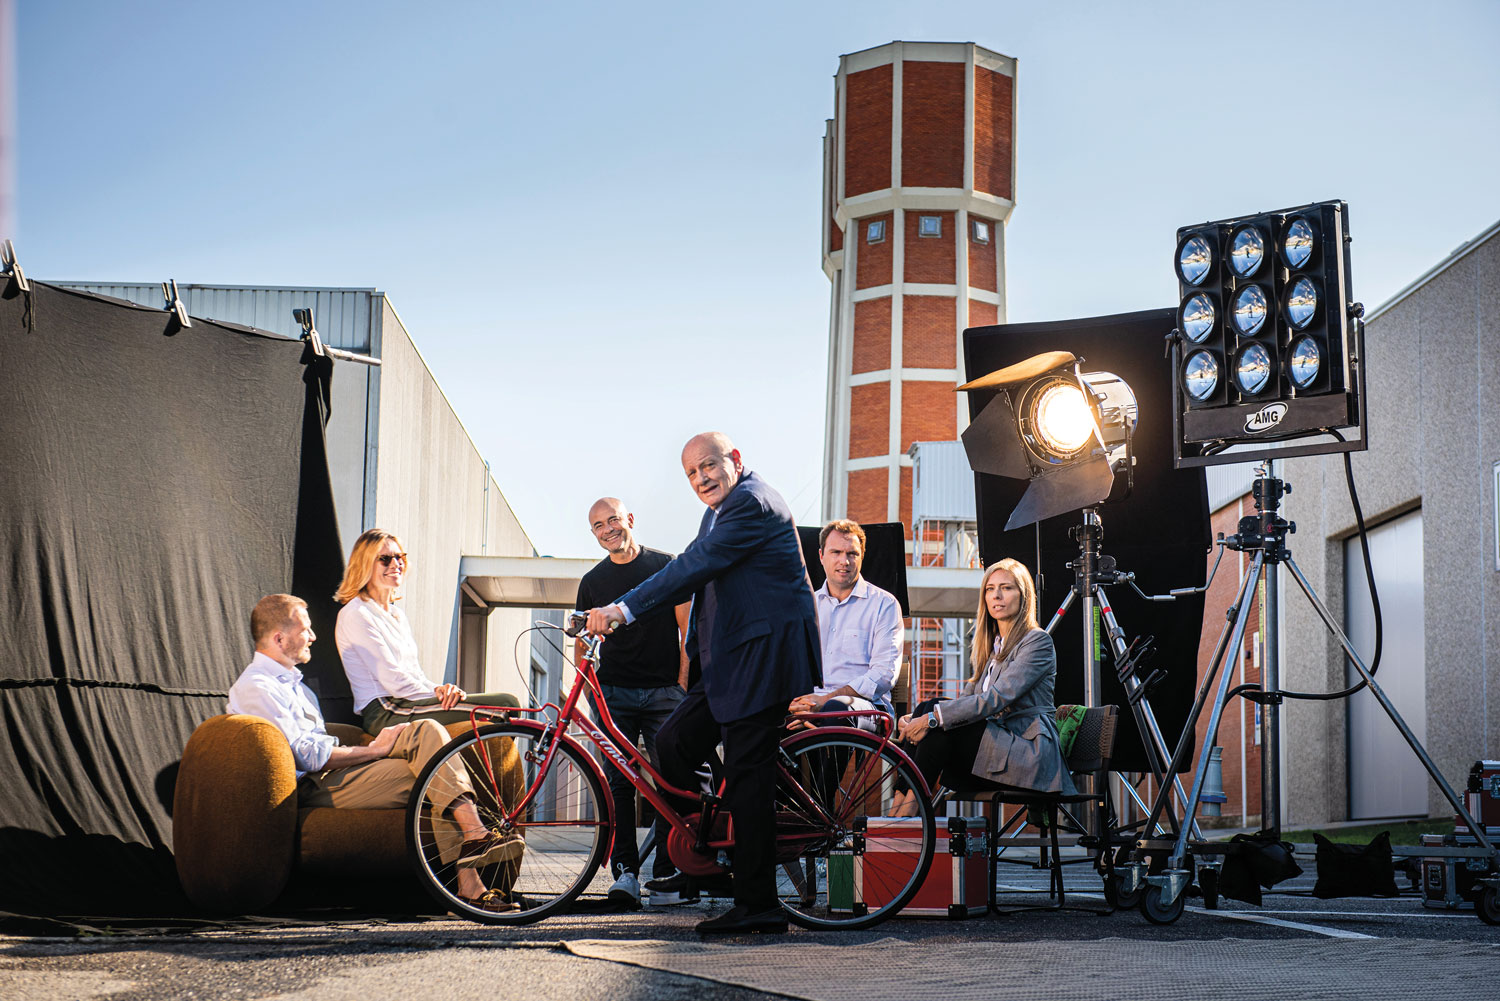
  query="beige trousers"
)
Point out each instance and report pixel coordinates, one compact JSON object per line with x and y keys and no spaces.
{"x":386,"y":784}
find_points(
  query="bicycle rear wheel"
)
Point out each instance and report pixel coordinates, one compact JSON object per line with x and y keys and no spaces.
{"x":564,"y":825}
{"x":843,"y":862}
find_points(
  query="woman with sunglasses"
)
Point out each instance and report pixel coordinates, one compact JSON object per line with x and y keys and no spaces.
{"x":1000,"y":730}
{"x":379,"y":652}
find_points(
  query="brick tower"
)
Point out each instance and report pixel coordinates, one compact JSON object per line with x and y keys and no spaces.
{"x":919,"y":180}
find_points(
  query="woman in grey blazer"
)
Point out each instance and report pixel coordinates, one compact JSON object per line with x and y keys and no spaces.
{"x":999,"y":730}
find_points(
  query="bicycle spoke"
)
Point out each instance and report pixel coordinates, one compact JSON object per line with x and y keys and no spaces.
{"x":551,"y":849}
{"x":841,"y":865}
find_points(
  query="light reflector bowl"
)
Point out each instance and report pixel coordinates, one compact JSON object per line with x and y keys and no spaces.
{"x":1301,"y":302}
{"x":1306,"y":362}
{"x":1198,"y":316}
{"x":1253,"y":369}
{"x":1250,"y":310}
{"x":1297,"y":245}
{"x":1247,"y":249}
{"x":1200,"y":375}
{"x":1194,"y":259}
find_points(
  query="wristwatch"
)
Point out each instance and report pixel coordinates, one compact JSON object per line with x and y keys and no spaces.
{"x":932,"y":721}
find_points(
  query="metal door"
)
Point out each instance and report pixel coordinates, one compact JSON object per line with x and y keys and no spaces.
{"x":1385,"y":777}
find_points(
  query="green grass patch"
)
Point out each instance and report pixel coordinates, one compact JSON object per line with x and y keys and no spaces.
{"x":1403,"y":832}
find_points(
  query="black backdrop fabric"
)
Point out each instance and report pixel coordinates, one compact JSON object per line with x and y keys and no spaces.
{"x":884,"y":563}
{"x":156,"y":483}
{"x":1161,"y":532}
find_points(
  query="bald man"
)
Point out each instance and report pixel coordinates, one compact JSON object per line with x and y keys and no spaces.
{"x":643,"y":675}
{"x":755,"y":635}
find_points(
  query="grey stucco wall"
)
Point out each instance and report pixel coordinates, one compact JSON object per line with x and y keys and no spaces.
{"x":1433,"y":365}
{"x":430,"y":489}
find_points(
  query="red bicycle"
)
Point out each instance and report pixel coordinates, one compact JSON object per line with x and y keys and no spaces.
{"x":532,"y":775}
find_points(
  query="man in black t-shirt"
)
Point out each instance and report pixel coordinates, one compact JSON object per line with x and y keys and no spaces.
{"x":643,"y":673}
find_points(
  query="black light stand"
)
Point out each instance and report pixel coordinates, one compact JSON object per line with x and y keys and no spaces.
{"x":1092,"y":573}
{"x":1264,"y":535}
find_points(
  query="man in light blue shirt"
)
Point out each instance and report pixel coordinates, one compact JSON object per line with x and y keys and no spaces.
{"x":374,"y":776}
{"x":861,"y":630}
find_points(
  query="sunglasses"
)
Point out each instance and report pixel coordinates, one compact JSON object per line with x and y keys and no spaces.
{"x":386,"y":559}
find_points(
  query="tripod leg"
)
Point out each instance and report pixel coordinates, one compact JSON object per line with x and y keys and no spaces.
{"x":1390,"y":709}
{"x":1145,"y":718}
{"x":1219,"y":659}
{"x":1242,"y":619}
{"x":1062,"y":609}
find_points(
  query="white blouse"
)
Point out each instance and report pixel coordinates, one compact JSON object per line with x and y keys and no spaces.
{"x":379,"y":653}
{"x":989,"y":670}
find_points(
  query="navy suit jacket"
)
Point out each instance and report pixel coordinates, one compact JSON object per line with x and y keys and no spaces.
{"x":755,"y":627}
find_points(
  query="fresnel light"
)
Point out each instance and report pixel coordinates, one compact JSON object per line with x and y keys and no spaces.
{"x":1066,"y":431}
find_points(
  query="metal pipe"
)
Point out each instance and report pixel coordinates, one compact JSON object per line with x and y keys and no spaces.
{"x":1179,"y":851}
{"x":343,"y":355}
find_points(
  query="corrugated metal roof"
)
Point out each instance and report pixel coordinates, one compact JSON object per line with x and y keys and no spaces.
{"x":343,"y":315}
{"x":942,"y":482}
{"x":1225,"y":483}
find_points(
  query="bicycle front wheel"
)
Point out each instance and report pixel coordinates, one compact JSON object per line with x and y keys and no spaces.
{"x":843,"y":861}
{"x":563,"y":829}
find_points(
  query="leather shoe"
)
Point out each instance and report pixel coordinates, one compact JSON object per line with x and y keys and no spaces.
{"x":739,"y":919}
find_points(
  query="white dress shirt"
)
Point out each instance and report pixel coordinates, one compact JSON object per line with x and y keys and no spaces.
{"x":861,"y":641}
{"x":379,"y":653}
{"x":275,"y":692}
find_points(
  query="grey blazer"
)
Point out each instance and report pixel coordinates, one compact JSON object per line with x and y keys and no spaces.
{"x":1020,"y":746}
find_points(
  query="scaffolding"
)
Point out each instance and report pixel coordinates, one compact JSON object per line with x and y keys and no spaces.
{"x":945,"y":533}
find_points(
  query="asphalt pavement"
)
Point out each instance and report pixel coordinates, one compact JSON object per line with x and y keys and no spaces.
{"x":1293,"y":946}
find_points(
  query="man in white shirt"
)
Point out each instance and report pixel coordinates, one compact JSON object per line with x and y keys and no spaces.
{"x":378,"y":775}
{"x":861,"y":630}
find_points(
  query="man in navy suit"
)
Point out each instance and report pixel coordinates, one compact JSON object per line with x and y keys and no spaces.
{"x":755,"y":635}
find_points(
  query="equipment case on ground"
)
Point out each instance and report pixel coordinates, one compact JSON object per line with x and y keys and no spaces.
{"x":886,"y":850}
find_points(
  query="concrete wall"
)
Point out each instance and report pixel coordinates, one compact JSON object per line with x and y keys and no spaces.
{"x":1433,"y":361}
{"x":433,"y":490}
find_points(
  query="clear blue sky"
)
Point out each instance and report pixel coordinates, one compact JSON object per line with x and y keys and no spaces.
{"x":600,"y":222}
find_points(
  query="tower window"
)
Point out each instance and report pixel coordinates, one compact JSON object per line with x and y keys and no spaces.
{"x":930,"y":225}
{"x":979,"y":230}
{"x":875,"y":231}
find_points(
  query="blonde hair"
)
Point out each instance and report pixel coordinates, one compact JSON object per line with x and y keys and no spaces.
{"x":985,"y":626}
{"x":362,"y":563}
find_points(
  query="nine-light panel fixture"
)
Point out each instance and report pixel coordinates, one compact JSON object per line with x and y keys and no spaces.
{"x":1267,"y":340}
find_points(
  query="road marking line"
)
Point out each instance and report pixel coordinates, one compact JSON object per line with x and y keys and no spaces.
{"x":1279,"y":923}
{"x":1423,"y":913}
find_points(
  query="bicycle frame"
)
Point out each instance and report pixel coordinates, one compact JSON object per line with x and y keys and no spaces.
{"x":626,"y":757}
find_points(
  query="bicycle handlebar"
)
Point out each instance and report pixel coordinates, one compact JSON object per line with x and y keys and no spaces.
{"x":578,"y":620}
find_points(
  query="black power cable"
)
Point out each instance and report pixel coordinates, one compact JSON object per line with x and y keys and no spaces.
{"x":1364,"y":546}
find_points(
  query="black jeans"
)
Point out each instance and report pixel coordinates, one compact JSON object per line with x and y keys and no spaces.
{"x":949,"y":754}
{"x":688,"y":738}
{"x":639,"y":713}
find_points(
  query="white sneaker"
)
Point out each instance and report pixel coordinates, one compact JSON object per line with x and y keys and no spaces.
{"x":626,"y":892}
{"x":669,"y":891}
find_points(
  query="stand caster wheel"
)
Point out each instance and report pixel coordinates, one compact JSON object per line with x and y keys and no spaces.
{"x":1487,"y":906}
{"x":1159,"y":913}
{"x":1119,"y":899}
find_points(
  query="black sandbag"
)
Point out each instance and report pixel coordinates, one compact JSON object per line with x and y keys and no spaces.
{"x":1258,"y":860}
{"x":1355,"y":870}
